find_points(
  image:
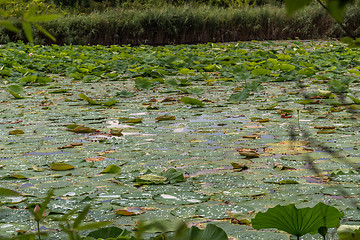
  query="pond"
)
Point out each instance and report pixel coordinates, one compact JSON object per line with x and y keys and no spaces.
{"x":248,"y":127}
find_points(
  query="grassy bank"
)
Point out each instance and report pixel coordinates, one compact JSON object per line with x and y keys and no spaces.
{"x":188,"y":24}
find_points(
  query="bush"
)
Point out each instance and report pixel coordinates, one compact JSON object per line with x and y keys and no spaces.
{"x":187,"y":24}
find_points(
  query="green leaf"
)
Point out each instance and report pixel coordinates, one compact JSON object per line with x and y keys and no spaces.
{"x":210,"y":68}
{"x":186,"y":71}
{"x":4,"y":192}
{"x":9,"y":26}
{"x":89,"y":100}
{"x":90,"y":78}
{"x":349,"y":232}
{"x":172,"y":82}
{"x":61,"y":166}
{"x":211,"y":231}
{"x":261,"y":71}
{"x":143,"y":84}
{"x":298,"y":222}
{"x":294,"y":5}
{"x":306,"y":71}
{"x":238,"y":97}
{"x":27,"y":30}
{"x":81,"y":129}
{"x":161,"y":225}
{"x":46,"y":33}
{"x":354,"y":99}
{"x":44,"y":80}
{"x":16,"y":95}
{"x":16,"y":90}
{"x":29,"y":79}
{"x":109,"y":102}
{"x":192,"y":101}
{"x":337,"y":8}
{"x":112,"y":169}
{"x":287,"y":67}
{"x":109,"y":232}
{"x":152,"y":178}
{"x":4,"y":1}
{"x":125,"y":94}
{"x":254,"y":85}
{"x":173,"y":176}
{"x":338,"y":86}
{"x":81,"y":216}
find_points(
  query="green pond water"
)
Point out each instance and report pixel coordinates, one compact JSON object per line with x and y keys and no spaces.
{"x":292,"y":104}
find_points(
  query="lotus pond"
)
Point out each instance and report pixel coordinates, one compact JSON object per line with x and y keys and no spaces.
{"x":211,"y":133}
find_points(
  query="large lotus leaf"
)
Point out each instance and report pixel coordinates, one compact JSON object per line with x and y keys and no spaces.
{"x":210,"y":232}
{"x":298,"y":222}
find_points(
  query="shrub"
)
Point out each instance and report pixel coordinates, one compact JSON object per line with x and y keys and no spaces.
{"x":188,"y":24}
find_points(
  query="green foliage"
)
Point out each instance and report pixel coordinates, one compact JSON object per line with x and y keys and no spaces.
{"x":194,"y":233}
{"x":17,"y":8}
{"x":170,"y":176}
{"x":192,"y":101}
{"x":4,"y":192}
{"x":238,"y":97}
{"x":30,"y":17}
{"x":143,"y":84}
{"x":16,"y":91}
{"x":349,"y":232}
{"x":298,"y":222}
{"x":112,"y":169}
{"x":182,"y":24}
{"x":36,"y":79}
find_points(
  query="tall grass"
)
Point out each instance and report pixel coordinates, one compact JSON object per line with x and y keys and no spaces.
{"x":189,"y":24}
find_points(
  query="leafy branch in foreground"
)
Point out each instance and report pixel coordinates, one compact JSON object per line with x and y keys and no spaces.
{"x":299,"y":222}
{"x":29,"y":19}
